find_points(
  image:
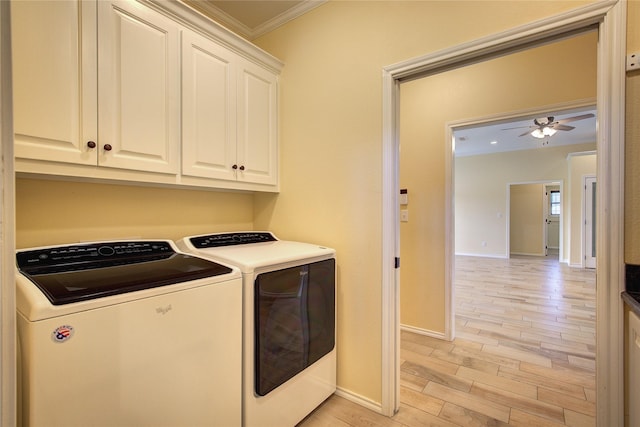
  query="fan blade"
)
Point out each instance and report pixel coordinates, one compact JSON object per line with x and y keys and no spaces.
{"x":575,"y":118}
{"x":563,"y":127}
{"x":526,"y":133}
{"x":521,"y":127}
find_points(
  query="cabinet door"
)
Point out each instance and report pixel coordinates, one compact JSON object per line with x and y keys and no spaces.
{"x":257,"y":125}
{"x":54,"y":80}
{"x":208,"y":108}
{"x":138,"y":88}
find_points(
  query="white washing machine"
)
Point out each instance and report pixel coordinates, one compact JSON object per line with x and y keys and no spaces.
{"x":289,"y":322}
{"x":128,"y":333}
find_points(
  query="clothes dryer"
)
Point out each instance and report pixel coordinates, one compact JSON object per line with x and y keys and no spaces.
{"x":289,"y":354}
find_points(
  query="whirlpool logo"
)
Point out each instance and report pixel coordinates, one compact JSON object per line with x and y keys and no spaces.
{"x":164,"y":310}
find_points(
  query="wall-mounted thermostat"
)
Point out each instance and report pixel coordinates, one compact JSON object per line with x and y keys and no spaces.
{"x":404,"y":196}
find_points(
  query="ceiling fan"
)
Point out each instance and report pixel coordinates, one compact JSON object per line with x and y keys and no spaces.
{"x":547,"y":126}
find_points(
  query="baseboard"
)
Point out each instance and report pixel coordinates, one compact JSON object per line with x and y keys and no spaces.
{"x":528,"y":254}
{"x":426,"y":332}
{"x":500,"y":256}
{"x":576,"y":265}
{"x":359,"y":400}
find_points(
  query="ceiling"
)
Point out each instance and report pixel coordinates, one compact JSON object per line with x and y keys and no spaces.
{"x":475,"y":140}
{"x":252,"y":18}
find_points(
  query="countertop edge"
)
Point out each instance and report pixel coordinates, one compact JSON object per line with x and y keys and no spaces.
{"x":633,"y":304}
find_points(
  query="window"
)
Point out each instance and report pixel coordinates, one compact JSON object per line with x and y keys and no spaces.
{"x":554,"y":202}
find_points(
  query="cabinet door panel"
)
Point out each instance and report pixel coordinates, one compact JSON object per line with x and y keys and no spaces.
{"x":138,"y":88}
{"x":208,"y":109}
{"x":54,"y":77}
{"x":257,"y":120}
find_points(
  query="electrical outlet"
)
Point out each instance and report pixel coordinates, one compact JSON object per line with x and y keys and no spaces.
{"x":404,"y":215}
{"x":633,"y":61}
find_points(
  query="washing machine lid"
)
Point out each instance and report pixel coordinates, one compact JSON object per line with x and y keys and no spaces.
{"x":68,"y":274}
{"x":252,"y":250}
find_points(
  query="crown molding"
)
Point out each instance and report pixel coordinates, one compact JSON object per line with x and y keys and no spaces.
{"x":233,"y":24}
{"x":289,"y":15}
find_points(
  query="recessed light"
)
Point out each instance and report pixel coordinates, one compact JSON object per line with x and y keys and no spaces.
{"x":493,"y":142}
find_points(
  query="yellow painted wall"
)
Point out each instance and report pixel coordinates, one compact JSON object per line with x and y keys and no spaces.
{"x":58,"y":212}
{"x":526,"y":213}
{"x":331,"y":141}
{"x":579,"y":166}
{"x":495,"y":87}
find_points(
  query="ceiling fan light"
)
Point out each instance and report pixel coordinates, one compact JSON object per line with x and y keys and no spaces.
{"x":548,"y":131}
{"x":537,"y":133}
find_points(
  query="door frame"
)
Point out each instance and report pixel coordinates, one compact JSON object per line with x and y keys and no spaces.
{"x":585,"y":215}
{"x":609,"y":17}
{"x":8,"y":397}
{"x":547,"y":189}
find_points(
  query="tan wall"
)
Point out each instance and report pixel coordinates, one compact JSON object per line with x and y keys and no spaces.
{"x":57,"y":212}
{"x":526,"y":214}
{"x":330,"y":133}
{"x":495,"y":87}
{"x":632,"y":151}
{"x":579,"y":167}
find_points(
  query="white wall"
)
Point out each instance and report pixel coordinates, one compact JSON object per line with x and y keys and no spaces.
{"x":481,"y":186}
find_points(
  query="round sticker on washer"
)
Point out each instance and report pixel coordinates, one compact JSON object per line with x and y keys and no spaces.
{"x":62,"y":333}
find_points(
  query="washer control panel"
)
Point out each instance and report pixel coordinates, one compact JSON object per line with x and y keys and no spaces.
{"x":95,"y":252}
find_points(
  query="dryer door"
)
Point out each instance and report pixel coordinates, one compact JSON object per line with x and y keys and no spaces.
{"x":294,"y":321}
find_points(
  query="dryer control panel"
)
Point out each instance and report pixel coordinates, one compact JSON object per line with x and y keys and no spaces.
{"x":231,"y":239}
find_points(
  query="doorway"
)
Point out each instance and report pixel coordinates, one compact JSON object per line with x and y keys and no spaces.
{"x":552,"y":216}
{"x":534,"y":219}
{"x":610,"y":138}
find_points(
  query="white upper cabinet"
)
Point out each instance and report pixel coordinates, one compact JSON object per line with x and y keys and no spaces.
{"x":141,"y":91}
{"x":228,"y":115}
{"x":138,"y":88}
{"x":54,"y":80}
{"x":257,"y":132}
{"x":208,"y":108}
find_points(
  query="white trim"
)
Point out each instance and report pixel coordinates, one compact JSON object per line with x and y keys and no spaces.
{"x":251,"y":33}
{"x":204,"y":25}
{"x":497,"y":256}
{"x":450,"y":241}
{"x":583,"y":219}
{"x":528,"y":254}
{"x":582,"y":153}
{"x":610,"y":217}
{"x":8,"y":394}
{"x":610,"y":17}
{"x":286,"y":16}
{"x":425,"y":332}
{"x":359,"y":400}
{"x":390,"y":249}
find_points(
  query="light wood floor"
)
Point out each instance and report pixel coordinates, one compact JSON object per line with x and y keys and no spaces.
{"x":524,"y":354}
